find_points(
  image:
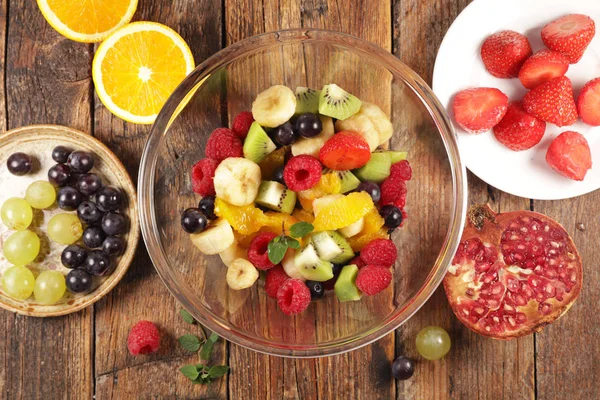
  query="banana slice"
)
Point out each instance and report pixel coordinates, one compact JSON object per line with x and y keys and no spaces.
{"x":232,"y":252}
{"x":380,"y":120}
{"x":274,"y":106}
{"x":289,"y":265}
{"x":241,"y":274}
{"x":352,"y":229}
{"x":237,"y":181}
{"x":362,"y":125}
{"x":312,"y":146}
{"x":217,"y":237}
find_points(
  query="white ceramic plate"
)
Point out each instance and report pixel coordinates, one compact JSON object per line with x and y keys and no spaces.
{"x":458,"y":66}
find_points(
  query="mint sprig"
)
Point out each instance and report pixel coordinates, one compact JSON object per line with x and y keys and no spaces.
{"x":278,"y":246}
{"x":190,"y":342}
{"x":301,"y":229}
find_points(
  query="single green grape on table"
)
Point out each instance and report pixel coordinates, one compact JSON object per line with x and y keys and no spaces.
{"x":50,"y":287}
{"x":22,"y":247}
{"x":40,"y":194}
{"x":18,"y":282}
{"x":65,"y":228}
{"x":16,"y":214}
{"x":433,"y":342}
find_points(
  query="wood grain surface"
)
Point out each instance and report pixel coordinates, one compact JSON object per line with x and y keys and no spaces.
{"x":47,"y":79}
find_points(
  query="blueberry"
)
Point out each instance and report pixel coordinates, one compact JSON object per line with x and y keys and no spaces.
{"x":193,"y":220}
{"x":93,"y":237}
{"x":114,"y":224}
{"x":60,"y":154}
{"x":19,"y":164}
{"x":97,"y":263}
{"x":69,"y":198}
{"x":391,"y":215}
{"x":308,"y":125}
{"x":73,"y":256}
{"x":207,"y":206}
{"x":79,"y":281}
{"x":89,"y":213}
{"x":88,"y":184}
{"x":80,"y":162}
{"x":403,"y":368}
{"x":113,"y":246}
{"x":285,"y":134}
{"x":278,"y":176}
{"x":372,"y":188}
{"x":109,"y":198}
{"x":316,"y":289}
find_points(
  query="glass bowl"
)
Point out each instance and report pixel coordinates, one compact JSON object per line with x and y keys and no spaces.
{"x":226,"y":84}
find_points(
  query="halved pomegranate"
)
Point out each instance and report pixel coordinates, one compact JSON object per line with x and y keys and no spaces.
{"x":513,"y":273}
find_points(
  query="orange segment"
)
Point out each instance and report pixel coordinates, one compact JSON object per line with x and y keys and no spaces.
{"x":328,"y":184}
{"x":245,"y":219}
{"x":343,"y":212}
{"x":276,"y":221}
{"x":303,"y":215}
{"x":373,"y":222}
{"x":361,"y":240}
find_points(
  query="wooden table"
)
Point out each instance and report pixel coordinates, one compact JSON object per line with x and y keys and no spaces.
{"x":47,"y":79}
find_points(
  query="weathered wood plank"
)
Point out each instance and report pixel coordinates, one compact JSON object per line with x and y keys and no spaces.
{"x":119,"y":375}
{"x":47,"y":81}
{"x":492,"y":368}
{"x":6,"y":318}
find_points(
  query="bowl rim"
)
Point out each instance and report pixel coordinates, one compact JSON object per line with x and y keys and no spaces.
{"x":133,"y":237}
{"x":184,"y":92}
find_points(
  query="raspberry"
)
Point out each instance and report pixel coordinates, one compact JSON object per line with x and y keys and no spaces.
{"x":381,"y":252}
{"x":143,"y":338}
{"x":203,"y":173}
{"x":258,"y":251}
{"x":302,"y":173}
{"x":393,"y":191}
{"x":373,"y":279}
{"x":222,"y":144}
{"x":276,"y":277}
{"x":401,"y":170}
{"x":358,"y":262}
{"x":241,"y":124}
{"x":293,"y":297}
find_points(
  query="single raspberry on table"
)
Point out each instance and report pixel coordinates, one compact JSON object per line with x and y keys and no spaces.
{"x":393,"y":191}
{"x":293,"y":297}
{"x":241,"y":124}
{"x":358,"y":262}
{"x":373,"y":279}
{"x":143,"y":338}
{"x":203,"y":173}
{"x":401,"y":170}
{"x":504,"y":52}
{"x":302,"y":172}
{"x":276,"y":277}
{"x":258,"y":252}
{"x":222,"y":144}
{"x":381,"y":252}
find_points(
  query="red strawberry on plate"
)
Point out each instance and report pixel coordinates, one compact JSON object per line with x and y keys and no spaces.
{"x":345,"y":150}
{"x":569,"y":35}
{"x":478,"y":110}
{"x":504,"y":52}
{"x":588,"y":103}
{"x":543,"y":66}
{"x":519,"y":130}
{"x":569,"y":155}
{"x":552,"y":102}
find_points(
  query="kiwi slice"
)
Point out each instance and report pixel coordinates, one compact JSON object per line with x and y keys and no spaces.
{"x":331,"y":246}
{"x":376,"y":170}
{"x":345,"y":286}
{"x":311,"y":267}
{"x":275,"y":196}
{"x":335,"y":102}
{"x":307,"y":100}
{"x":257,"y":144}
{"x":395,"y":156}
{"x":349,"y":181}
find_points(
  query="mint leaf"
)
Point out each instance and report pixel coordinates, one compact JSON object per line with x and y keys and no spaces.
{"x":190,"y":371}
{"x":207,"y":348}
{"x":289,"y":242}
{"x":301,"y":229}
{"x":217,"y":371}
{"x":187,"y":317}
{"x":276,"y":249}
{"x":189,"y":342}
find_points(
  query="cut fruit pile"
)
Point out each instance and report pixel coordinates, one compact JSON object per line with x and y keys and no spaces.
{"x":289,"y":191}
{"x":521,"y":124}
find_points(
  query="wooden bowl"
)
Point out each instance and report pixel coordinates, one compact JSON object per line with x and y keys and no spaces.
{"x":38,"y":142}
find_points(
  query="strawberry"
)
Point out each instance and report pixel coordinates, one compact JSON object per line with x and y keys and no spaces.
{"x":588,"y":103}
{"x":519,"y":130}
{"x":541,"y":67}
{"x":478,"y":110}
{"x":552,"y":102}
{"x":569,"y":35}
{"x":345,"y":150}
{"x":504,"y":52}
{"x":569,"y":155}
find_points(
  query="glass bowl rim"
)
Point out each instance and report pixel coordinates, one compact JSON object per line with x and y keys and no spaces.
{"x":176,"y":102}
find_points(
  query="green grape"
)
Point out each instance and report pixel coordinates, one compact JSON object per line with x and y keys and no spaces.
{"x":65,"y":228}
{"x":433,"y":342}
{"x":17,"y":214}
{"x":21,"y":247}
{"x":40,"y":194}
{"x":49,"y":287}
{"x":18,"y":282}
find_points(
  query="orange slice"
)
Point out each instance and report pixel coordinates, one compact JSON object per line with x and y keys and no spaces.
{"x":244,"y":219}
{"x":343,"y":212}
{"x":328,"y":184}
{"x":361,"y":240}
{"x":87,"y":20}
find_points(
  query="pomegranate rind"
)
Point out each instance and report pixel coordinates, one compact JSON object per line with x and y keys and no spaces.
{"x":510,"y":316}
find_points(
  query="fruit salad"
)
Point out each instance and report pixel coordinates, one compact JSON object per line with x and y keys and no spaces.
{"x":61,"y":232}
{"x":299,"y":187}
